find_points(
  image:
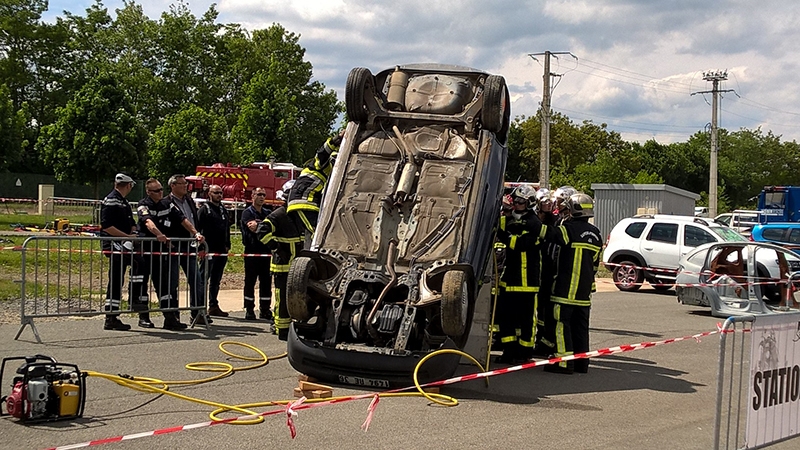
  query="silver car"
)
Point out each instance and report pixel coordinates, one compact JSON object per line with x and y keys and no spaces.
{"x":739,"y":278}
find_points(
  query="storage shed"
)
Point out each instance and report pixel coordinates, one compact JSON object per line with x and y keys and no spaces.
{"x":614,"y":202}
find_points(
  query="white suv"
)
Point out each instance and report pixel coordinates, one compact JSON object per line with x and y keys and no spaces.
{"x":649,"y":247}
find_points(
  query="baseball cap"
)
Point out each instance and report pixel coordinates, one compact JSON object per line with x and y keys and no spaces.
{"x":122,"y":178}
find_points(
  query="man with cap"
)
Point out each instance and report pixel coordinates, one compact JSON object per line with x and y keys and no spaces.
{"x":116,"y":221}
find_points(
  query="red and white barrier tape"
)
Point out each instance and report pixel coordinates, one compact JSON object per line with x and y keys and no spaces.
{"x":292,"y":408}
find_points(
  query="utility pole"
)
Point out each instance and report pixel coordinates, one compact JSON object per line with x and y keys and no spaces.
{"x":544,"y":155}
{"x":714,"y":78}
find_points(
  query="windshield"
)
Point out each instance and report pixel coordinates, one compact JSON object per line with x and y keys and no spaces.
{"x":728,"y":234}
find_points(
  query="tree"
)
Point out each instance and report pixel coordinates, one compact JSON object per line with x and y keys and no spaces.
{"x":12,"y":123}
{"x":95,"y":136}
{"x":190,"y":137}
{"x":283,"y":113}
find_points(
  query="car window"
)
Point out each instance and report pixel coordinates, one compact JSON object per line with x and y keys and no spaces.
{"x":728,"y":234}
{"x":664,"y":232}
{"x":773,"y":234}
{"x":694,"y":236}
{"x":794,"y":236}
{"x":698,"y":258}
{"x":635,"y":229}
{"x":726,"y":219}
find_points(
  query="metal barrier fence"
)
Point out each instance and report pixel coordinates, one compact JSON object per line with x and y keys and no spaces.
{"x":750,"y":409}
{"x":87,"y":276}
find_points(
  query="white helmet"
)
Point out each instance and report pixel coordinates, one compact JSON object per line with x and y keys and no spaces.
{"x":526,"y":192}
{"x":279,"y":195}
{"x":581,"y":205}
{"x":562,"y":195}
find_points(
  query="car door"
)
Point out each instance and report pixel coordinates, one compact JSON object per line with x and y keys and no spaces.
{"x":660,"y":246}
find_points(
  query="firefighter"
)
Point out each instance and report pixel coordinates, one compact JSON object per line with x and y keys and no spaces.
{"x":305,"y":196}
{"x":545,"y":325}
{"x":116,"y":220}
{"x":500,"y":259}
{"x":212,"y":222}
{"x":282,"y":233}
{"x":521,"y":232}
{"x":256,"y":260}
{"x":579,"y":245}
{"x":156,"y":217}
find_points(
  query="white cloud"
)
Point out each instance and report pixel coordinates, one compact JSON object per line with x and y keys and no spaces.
{"x":638,"y":60}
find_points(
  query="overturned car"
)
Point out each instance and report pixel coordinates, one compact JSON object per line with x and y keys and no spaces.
{"x":406,"y":226}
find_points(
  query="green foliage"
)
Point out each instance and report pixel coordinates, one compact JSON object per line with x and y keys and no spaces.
{"x":95,"y":136}
{"x":189,"y":136}
{"x":12,"y":130}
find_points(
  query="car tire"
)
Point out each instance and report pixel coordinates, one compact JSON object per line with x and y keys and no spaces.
{"x":302,"y":269}
{"x":359,"y":81}
{"x":454,"y":308}
{"x":494,"y":115}
{"x":627,"y":277}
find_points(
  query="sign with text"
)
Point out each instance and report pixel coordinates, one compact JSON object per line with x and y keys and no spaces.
{"x":773,"y":411}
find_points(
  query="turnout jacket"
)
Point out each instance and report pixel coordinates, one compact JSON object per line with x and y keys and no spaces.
{"x":306,"y":194}
{"x":579,"y":245}
{"x":283,"y":236}
{"x":522,"y":239}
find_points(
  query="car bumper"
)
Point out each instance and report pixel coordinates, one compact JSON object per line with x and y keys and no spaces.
{"x":369,"y":369}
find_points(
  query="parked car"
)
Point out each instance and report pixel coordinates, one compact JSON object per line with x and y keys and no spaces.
{"x":737,"y":278}
{"x":649,"y":247}
{"x":740,"y":220}
{"x":405,"y":229}
{"x":701,"y":211}
{"x":785,"y":234}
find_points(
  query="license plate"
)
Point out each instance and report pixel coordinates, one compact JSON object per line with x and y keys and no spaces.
{"x":359,"y":381}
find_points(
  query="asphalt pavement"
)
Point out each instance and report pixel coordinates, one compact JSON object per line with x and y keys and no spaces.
{"x":661,"y":397}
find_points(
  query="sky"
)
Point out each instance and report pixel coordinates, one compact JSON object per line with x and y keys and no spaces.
{"x":636,"y":65}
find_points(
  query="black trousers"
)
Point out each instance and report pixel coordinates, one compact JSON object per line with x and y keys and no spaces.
{"x":515,"y":314}
{"x":572,"y":333}
{"x":215,"y":266}
{"x":545,"y":322}
{"x":256,"y":268}
{"x":117,"y":266}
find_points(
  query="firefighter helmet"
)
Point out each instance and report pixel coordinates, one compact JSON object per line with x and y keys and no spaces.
{"x":526,"y":192}
{"x":561,"y":196}
{"x":283,"y":193}
{"x":581,"y":205}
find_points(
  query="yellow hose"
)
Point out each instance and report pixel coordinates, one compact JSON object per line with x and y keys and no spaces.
{"x":250,"y":417}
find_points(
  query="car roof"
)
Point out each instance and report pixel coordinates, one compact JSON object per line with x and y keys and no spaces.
{"x":674,"y":218}
{"x":778,"y":225}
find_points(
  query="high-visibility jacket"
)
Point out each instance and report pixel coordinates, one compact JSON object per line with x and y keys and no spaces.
{"x":283,"y":237}
{"x":306,"y":194}
{"x":522,"y":239}
{"x":580,"y":245}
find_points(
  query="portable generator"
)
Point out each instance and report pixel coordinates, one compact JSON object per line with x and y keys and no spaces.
{"x":44,"y":390}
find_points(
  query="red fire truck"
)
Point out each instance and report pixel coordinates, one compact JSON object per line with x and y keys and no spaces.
{"x":238,"y":182}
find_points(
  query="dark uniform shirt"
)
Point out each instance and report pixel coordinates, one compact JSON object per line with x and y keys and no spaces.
{"x":212,"y":222}
{"x":250,"y":239}
{"x":164,"y":215}
{"x":115,"y":211}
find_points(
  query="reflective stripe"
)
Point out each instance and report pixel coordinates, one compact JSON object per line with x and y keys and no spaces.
{"x":571,"y":301}
{"x":529,"y":344}
{"x":561,"y":346}
{"x":522,"y":288}
{"x":576,"y":273}
{"x":513,"y":242}
{"x":507,"y":339}
{"x":524,"y":268}
{"x":301,"y":204}
{"x":305,"y":220}
{"x":503,"y":223}
{"x":564,"y":234}
{"x":283,"y":268}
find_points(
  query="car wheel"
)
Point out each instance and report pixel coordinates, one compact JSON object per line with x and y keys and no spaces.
{"x":302,"y":269}
{"x":495,"y":104}
{"x":454,"y":304}
{"x":627,"y":277}
{"x":358,"y":82}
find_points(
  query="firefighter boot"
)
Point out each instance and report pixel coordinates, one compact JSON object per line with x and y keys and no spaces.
{"x":249,"y":310}
{"x":113,"y":323}
{"x":144,"y":321}
{"x":264,"y":311}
